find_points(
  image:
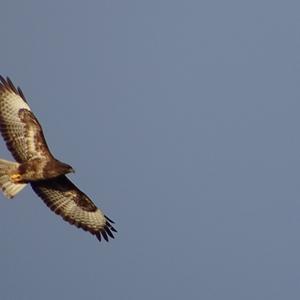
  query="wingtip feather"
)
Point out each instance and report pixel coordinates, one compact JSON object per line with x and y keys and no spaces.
{"x":103,"y":232}
{"x":109,"y":232}
{"x":98,"y":235}
{"x":111,"y":221}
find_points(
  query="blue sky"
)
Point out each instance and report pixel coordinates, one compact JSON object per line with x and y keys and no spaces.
{"x":181,"y":119}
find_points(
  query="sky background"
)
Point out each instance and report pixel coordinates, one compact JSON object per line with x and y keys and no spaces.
{"x":181,"y":119}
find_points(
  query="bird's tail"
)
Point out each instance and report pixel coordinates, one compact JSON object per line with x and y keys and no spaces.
{"x":9,"y":188}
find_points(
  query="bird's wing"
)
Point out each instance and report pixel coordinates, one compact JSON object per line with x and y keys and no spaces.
{"x":66,"y":200}
{"x":18,"y":125}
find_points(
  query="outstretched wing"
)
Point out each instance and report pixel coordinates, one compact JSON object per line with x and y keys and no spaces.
{"x":18,"y":125}
{"x":66,"y":200}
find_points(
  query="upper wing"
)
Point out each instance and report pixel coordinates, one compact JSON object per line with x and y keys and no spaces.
{"x":66,"y":200}
{"x":18,"y":125}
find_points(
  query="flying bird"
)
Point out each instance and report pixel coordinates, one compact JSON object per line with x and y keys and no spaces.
{"x":35,"y":165}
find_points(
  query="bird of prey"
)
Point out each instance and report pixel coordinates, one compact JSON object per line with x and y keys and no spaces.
{"x":36,"y":165}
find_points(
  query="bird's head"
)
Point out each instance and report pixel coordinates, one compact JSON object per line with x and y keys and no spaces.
{"x":70,"y":169}
{"x":65,"y":168}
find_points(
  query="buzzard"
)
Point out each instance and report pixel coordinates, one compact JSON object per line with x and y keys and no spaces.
{"x":36,"y":165}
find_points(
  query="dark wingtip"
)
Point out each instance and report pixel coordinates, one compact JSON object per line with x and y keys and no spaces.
{"x":109,"y":232}
{"x":20,"y":92}
{"x":98,"y":235}
{"x":8,"y":85}
{"x":111,"y":221}
{"x":104,"y":235}
{"x":2,"y":79}
{"x":2,"y":83}
{"x":11,"y":85}
{"x":112,"y":229}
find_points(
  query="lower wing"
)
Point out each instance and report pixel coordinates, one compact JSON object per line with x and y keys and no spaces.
{"x":66,"y":200}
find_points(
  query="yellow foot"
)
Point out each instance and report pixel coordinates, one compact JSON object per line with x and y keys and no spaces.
{"x":16,"y":178}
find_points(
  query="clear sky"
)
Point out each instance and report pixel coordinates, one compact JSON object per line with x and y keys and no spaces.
{"x":181,"y":119}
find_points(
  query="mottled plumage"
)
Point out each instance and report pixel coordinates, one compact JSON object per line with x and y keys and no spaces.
{"x":36,"y":165}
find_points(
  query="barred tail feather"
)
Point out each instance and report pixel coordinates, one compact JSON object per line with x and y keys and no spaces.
{"x":9,"y":188}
